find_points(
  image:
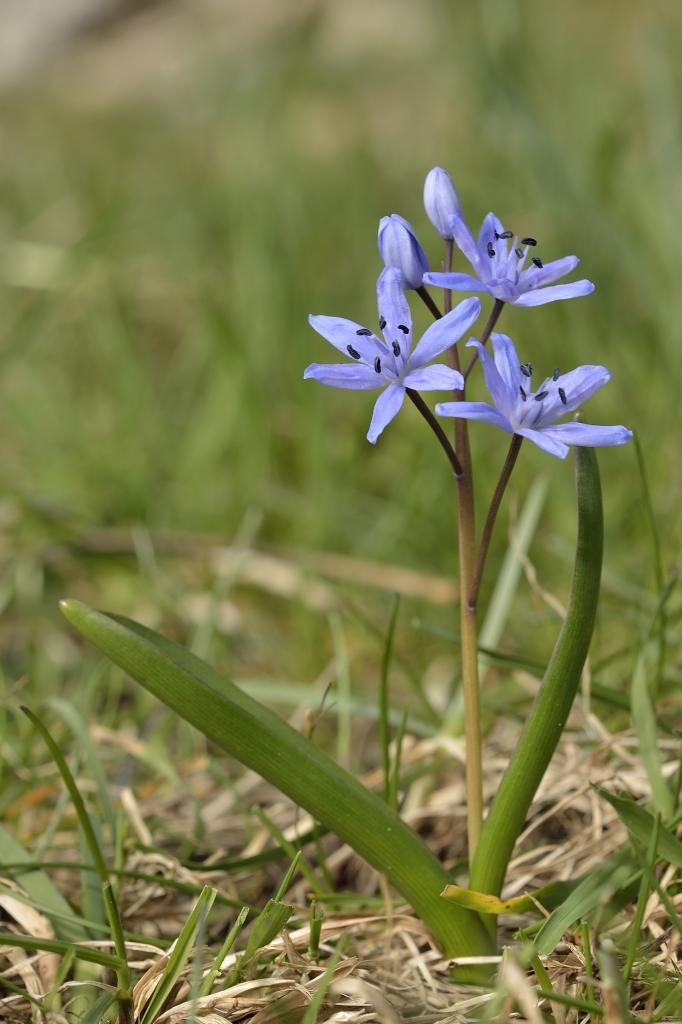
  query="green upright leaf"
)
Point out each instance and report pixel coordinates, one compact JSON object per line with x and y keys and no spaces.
{"x":644,"y":721}
{"x":263,"y":742}
{"x":640,"y":823}
{"x":553,"y":703}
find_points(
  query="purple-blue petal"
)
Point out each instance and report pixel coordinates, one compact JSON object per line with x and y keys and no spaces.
{"x":386,"y":407}
{"x":542,"y":439}
{"x":442,"y":334}
{"x":441,"y":201}
{"x":588,"y":435}
{"x":577,"y":386}
{"x":552,"y":271}
{"x":341,"y":333}
{"x":507,"y":362}
{"x":354,"y":376}
{"x":499,"y":392}
{"x":539,"y":296}
{"x":436,"y":377}
{"x":464,"y":240}
{"x":474,"y":411}
{"x":490,"y":228}
{"x":394,"y":309}
{"x":455,"y":282}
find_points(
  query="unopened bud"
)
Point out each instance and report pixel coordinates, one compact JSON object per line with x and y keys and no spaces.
{"x":398,"y":247}
{"x":441,"y":201}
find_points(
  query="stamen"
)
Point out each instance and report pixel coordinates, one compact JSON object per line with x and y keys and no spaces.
{"x":556,"y":374}
{"x":529,"y":241}
{"x":396,"y":348}
{"x":523,"y":394}
{"x":526,"y":369}
{"x":519,"y":252}
{"x":382,"y":323}
{"x":352,"y":352}
{"x":403,"y":328}
{"x":540,"y":395}
{"x":377,"y":365}
{"x":538,"y":262}
{"x":364,"y":331}
{"x":562,"y":395}
{"x":491,"y":251}
{"x":506,"y":234}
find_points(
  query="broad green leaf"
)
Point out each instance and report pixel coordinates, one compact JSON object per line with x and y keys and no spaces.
{"x":553,"y":703}
{"x":263,"y":742}
{"x":640,"y":824}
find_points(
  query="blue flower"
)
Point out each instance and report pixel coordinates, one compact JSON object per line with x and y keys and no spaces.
{"x":441,"y":201}
{"x":499,"y":260}
{"x":519,"y":409}
{"x":390,"y":364}
{"x":399,"y":247}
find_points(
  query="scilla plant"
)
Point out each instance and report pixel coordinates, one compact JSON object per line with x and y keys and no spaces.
{"x":509,"y":269}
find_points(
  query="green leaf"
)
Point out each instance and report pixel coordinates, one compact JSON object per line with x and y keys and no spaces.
{"x":644,"y":721}
{"x":39,"y":887}
{"x":179,"y":955}
{"x":640,"y":823}
{"x":553,"y":703}
{"x":263,"y":742}
{"x":597,"y":886}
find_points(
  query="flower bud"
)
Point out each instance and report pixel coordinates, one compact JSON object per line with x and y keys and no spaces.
{"x":441,"y":201}
{"x":398,"y":247}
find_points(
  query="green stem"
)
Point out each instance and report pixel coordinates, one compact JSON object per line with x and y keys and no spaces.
{"x":553,"y":703}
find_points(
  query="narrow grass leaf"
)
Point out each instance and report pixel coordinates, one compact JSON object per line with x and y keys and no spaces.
{"x":79,"y":728}
{"x":384,"y":696}
{"x":643,"y":896}
{"x":315,"y":1004}
{"x":231,"y":938}
{"x":40,"y":888}
{"x":597,"y":886}
{"x":644,"y":721}
{"x":640,"y":823}
{"x":95,"y":1014}
{"x":179,"y":955}
{"x":395,"y":774}
{"x":91,"y":955}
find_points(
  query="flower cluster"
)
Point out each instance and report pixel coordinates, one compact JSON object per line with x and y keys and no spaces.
{"x":510,"y":269}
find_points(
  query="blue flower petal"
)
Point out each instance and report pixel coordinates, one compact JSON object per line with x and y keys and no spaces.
{"x":537,"y":277}
{"x":501,"y":394}
{"x":354,"y":376}
{"x":386,"y":407}
{"x":587,"y":435}
{"x":507,"y":363}
{"x":455,"y":282}
{"x":490,"y":228}
{"x":464,"y":239}
{"x":577,"y":386}
{"x":474,"y":411}
{"x":436,"y":377}
{"x":394,"y":310}
{"x":547,"y":443}
{"x":540,"y":296}
{"x":444,"y":333}
{"x":341,"y":333}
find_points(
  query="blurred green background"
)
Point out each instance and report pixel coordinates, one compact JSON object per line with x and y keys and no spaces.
{"x":181,"y":187}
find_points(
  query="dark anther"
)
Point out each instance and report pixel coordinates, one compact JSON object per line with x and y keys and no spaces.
{"x":506,"y":234}
{"x":382,"y":323}
{"x":491,"y":251}
{"x":523,"y":394}
{"x":352,"y":352}
{"x":556,"y":374}
{"x":540,"y":395}
{"x":403,"y":328}
{"x":562,"y":395}
{"x":526,"y":369}
{"x":377,"y":364}
{"x":538,"y":262}
{"x":519,"y":252}
{"x":529,"y":241}
{"x":396,"y":348}
{"x":364,"y":330}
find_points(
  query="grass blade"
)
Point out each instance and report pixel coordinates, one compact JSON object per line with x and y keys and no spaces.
{"x":641,"y":823}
